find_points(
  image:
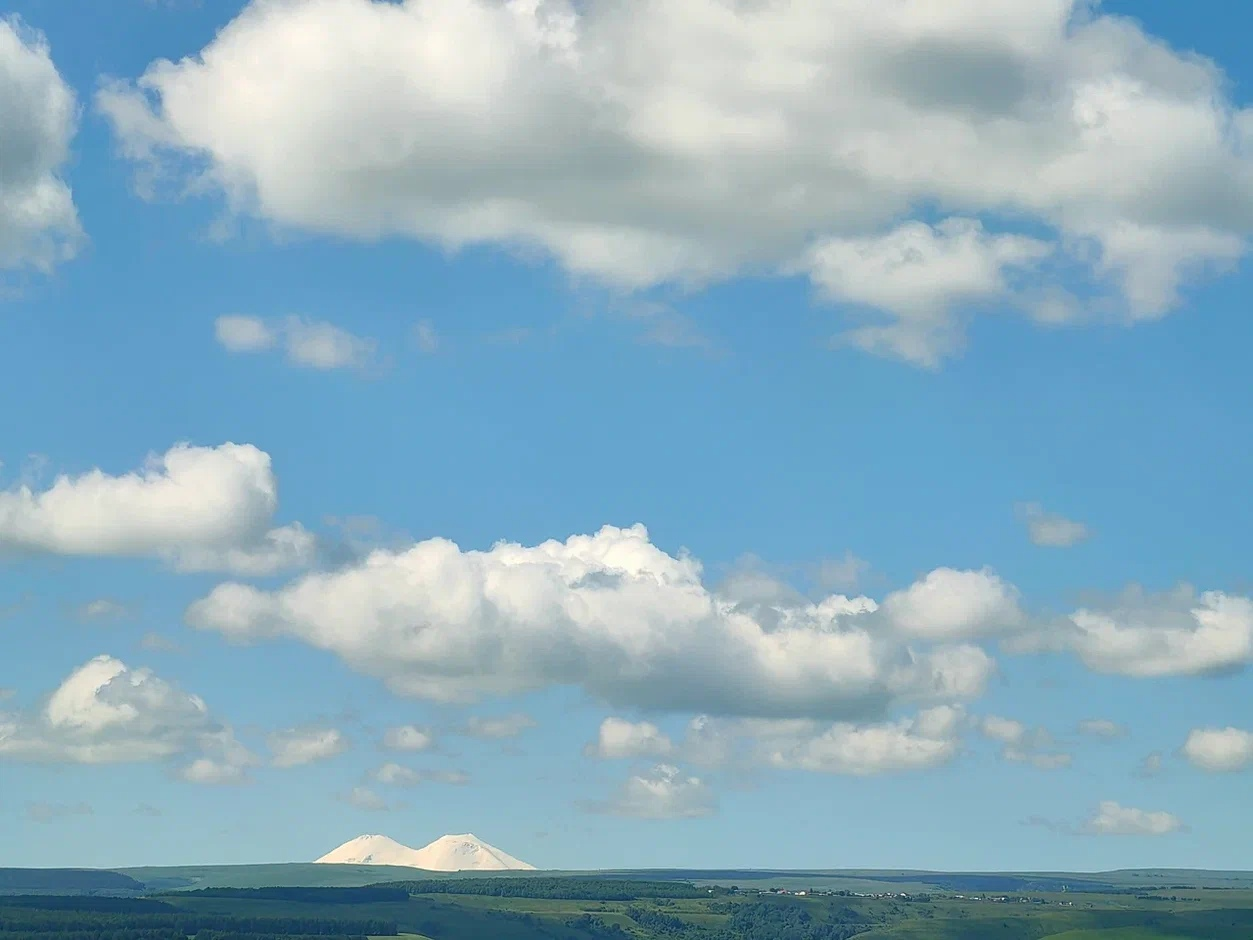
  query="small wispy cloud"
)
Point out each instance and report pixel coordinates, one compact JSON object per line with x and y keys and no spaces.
{"x":368,"y":800}
{"x":507,"y":726}
{"x":1151,"y":766}
{"x":1113,"y":819}
{"x":311,"y":344}
{"x":1050,"y":530}
{"x":156,"y":643}
{"x":425,"y":336}
{"x":397,"y":775}
{"x":1101,"y":728}
{"x":102,"y":608}
{"x":1023,"y":745}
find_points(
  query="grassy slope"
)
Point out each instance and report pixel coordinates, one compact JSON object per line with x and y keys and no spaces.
{"x":1115,"y":917}
{"x":1198,"y":915}
{"x":311,"y":875}
{"x":1115,"y":933}
{"x":441,"y":917}
{"x":268,"y":876}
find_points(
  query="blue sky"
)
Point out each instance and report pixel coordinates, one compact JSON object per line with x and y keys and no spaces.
{"x":966,"y":340}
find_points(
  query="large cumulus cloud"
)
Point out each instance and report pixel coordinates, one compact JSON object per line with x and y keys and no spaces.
{"x":625,"y":621}
{"x":916,"y":160}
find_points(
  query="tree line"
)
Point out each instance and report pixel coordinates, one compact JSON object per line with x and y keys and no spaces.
{"x":752,"y":921}
{"x":102,"y":903}
{"x":65,"y":879}
{"x":564,"y":889}
{"x":371,"y":894}
{"x":22,"y":922}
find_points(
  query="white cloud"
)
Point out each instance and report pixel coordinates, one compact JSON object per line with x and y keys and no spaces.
{"x":426,"y":336}
{"x":298,"y":746}
{"x":225,"y":762}
{"x":102,"y":608}
{"x":325,"y":346}
{"x":280,"y":549}
{"x":1005,"y":730}
{"x":199,"y":508}
{"x":921,"y":275}
{"x":397,"y":775}
{"x":1050,"y":530}
{"x":241,"y":334}
{"x":693,"y":140}
{"x":619,"y":738}
{"x":453,"y":777}
{"x":1041,"y":760}
{"x":189,"y":494}
{"x":1175,"y":634}
{"x":105,"y":712}
{"x":408,"y":738}
{"x":840,"y":574}
{"x":506,"y":726}
{"x":1112,"y":819}
{"x":1219,"y":749}
{"x":950,"y":605}
{"x":1151,"y":766}
{"x":1023,"y":745}
{"x":39,"y":225}
{"x":928,"y":740}
{"x":157,"y":643}
{"x":622,"y":619}
{"x":1101,"y":728}
{"x":664,"y":792}
{"x":367,"y":799}
{"x":312,"y":344}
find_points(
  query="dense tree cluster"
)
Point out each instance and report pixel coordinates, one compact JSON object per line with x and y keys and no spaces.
{"x":596,"y":927}
{"x":65,"y":879}
{"x":767,"y":921}
{"x":656,"y":921}
{"x":103,"y":904}
{"x":368,"y":895}
{"x":72,"y":919}
{"x":566,"y":889}
{"x":756,"y":921}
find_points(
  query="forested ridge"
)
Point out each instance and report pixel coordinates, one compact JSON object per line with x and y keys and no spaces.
{"x":566,"y":889}
{"x":93,"y":918}
{"x":367,"y":895}
{"x":65,"y":879}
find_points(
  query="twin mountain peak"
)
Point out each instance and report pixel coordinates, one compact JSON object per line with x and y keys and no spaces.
{"x":465,"y":852}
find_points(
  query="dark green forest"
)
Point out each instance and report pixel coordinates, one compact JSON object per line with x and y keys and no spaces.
{"x":582,"y":907}
{"x":100,"y":918}
{"x":65,"y":879}
{"x":757,"y":921}
{"x":567,"y":889}
{"x":367,"y":895}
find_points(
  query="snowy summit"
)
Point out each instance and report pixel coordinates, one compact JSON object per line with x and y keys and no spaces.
{"x":465,"y":852}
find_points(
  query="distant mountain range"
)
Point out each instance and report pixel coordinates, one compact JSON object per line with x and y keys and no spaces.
{"x":465,"y":852}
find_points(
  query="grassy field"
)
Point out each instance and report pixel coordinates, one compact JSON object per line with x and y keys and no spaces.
{"x":264,"y":876}
{"x":1195,"y":914}
{"x":868,"y":905}
{"x":862,"y":880}
{"x":1114,"y":933}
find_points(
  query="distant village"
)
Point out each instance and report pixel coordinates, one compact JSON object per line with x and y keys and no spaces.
{"x":897,"y":896}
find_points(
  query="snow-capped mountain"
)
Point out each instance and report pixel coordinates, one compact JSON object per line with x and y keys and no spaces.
{"x":465,"y":852}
